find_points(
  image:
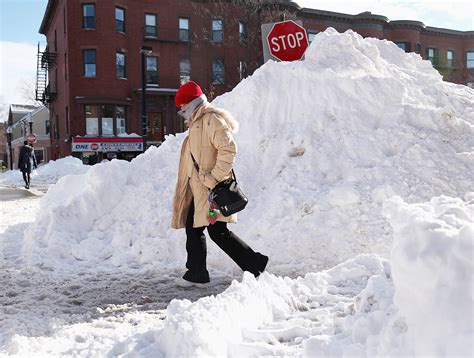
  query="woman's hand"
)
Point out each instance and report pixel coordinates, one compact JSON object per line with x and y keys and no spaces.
{"x":207,"y":180}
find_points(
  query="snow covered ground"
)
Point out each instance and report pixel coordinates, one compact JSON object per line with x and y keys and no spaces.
{"x":358,"y":163}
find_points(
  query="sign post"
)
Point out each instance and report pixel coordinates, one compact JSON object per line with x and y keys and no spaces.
{"x":285,"y":41}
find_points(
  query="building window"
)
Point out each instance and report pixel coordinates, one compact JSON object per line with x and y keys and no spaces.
{"x":470,"y":59}
{"x":150,"y":25}
{"x":450,"y":58}
{"x":183,"y":29}
{"x":217,"y":30}
{"x":92,"y":120}
{"x":432,"y":55}
{"x":100,"y":119}
{"x":242,"y":70}
{"x":39,"y":155}
{"x":151,"y":70}
{"x":120,"y":124}
{"x":311,"y":35}
{"x":119,"y":19}
{"x":242,"y":32}
{"x":89,"y":63}
{"x":88,"y":16}
{"x":418,"y":48}
{"x":218,"y":71}
{"x":184,"y":70}
{"x":107,"y":120}
{"x":47,"y":127}
{"x":121,"y":65}
{"x":405,"y":46}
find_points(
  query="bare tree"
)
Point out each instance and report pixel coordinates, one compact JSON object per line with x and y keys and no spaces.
{"x":253,"y":13}
{"x":27,"y":89}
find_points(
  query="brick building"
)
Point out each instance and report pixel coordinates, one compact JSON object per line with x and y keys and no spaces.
{"x":450,"y":51}
{"x":100,"y":54}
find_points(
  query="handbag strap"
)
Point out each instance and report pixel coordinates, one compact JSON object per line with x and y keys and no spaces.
{"x":196,"y":165}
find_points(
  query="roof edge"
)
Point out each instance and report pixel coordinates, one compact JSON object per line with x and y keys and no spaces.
{"x":46,"y":17}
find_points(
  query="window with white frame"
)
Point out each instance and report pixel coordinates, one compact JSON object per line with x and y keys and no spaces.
{"x":432,"y":55}
{"x":92,"y":120}
{"x":470,"y":59}
{"x":183,"y":29}
{"x":184,"y":70}
{"x":121,"y":65}
{"x":217,"y":30}
{"x":89,"y":58}
{"x":450,"y":58}
{"x":218,"y":71}
{"x":88,"y":16}
{"x":152,"y":70}
{"x":105,"y":119}
{"x":150,"y":25}
{"x":119,"y":19}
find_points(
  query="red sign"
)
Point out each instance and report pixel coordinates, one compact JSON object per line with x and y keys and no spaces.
{"x":94,"y":146}
{"x":287,"y":41}
{"x":31,"y":138}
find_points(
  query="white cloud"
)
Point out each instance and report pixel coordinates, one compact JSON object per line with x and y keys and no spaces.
{"x":456,"y":14}
{"x":17,"y":66}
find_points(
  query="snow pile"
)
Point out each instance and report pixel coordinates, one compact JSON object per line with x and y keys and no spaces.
{"x":46,"y":174}
{"x":420,"y":305}
{"x":432,"y":264}
{"x":323,"y":142}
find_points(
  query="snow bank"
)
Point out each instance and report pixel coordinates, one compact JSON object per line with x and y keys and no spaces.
{"x":432,"y":265}
{"x":363,"y":307}
{"x":46,"y":174}
{"x":322,"y":143}
{"x":418,"y":305}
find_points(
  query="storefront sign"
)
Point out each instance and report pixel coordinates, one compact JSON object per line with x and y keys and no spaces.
{"x":115,"y":144}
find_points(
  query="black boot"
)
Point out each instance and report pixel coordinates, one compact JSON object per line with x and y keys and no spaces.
{"x":237,"y":249}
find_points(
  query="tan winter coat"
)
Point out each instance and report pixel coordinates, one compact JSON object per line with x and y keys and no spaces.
{"x":212,"y":145}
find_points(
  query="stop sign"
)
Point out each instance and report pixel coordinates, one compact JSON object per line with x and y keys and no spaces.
{"x":31,"y":138}
{"x":287,"y":41}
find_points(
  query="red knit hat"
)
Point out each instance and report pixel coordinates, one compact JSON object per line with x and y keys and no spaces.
{"x":186,"y":93}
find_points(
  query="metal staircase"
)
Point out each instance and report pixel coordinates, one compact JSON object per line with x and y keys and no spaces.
{"x":46,"y":59}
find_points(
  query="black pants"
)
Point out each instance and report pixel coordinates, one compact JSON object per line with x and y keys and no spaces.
{"x":231,"y":244}
{"x":26,"y":178}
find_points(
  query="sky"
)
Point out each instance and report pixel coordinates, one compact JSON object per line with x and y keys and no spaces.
{"x":21,"y":19}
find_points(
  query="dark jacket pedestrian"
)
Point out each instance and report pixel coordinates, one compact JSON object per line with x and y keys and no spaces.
{"x":211,"y":143}
{"x":26,"y":161}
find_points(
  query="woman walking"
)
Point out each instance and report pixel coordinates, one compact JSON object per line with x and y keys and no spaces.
{"x":26,"y":160}
{"x":210,"y":145}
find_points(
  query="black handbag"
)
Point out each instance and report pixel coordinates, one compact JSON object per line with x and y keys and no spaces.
{"x":227,"y":195}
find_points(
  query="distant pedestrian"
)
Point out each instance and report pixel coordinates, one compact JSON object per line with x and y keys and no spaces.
{"x":211,"y":145}
{"x":26,"y":161}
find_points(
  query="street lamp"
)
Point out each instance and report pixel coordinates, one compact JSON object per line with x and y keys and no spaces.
{"x":30,"y":122}
{"x":9,"y":140}
{"x":144,"y":51}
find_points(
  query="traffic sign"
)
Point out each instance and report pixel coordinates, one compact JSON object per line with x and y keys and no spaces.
{"x":31,"y":138}
{"x":287,"y":41}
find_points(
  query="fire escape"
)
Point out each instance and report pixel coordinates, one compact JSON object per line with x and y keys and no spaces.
{"x":45,"y":89}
